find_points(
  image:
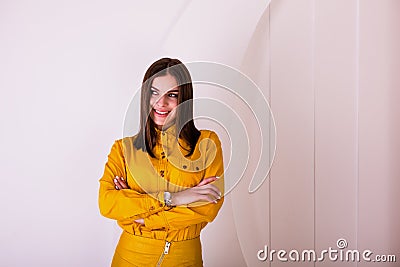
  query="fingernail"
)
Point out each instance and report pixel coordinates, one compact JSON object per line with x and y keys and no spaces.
{"x":116,"y":187}
{"x":116,"y":176}
{"x":115,"y":180}
{"x":215,"y":201}
{"x":122,"y":178}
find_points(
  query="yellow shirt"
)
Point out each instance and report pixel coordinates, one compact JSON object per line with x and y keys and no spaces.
{"x":148,"y":179}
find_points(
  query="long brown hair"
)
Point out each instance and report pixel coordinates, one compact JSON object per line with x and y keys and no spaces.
{"x":147,"y":136}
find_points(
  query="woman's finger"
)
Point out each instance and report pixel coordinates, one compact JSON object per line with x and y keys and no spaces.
{"x":116,"y":183}
{"x":209,"y":198}
{"x":123,"y":183}
{"x":213,"y":188}
{"x":209,"y":191}
{"x":120,"y":182}
{"x":207,"y":180}
{"x":141,"y":221}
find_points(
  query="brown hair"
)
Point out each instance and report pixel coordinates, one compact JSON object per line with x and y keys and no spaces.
{"x":186,"y":130}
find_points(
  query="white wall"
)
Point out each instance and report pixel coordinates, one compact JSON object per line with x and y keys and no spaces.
{"x":328,"y":68}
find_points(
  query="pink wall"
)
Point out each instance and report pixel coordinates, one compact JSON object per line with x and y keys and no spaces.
{"x":331,"y":71}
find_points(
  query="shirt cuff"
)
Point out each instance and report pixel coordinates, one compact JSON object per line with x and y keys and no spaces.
{"x":155,"y":202}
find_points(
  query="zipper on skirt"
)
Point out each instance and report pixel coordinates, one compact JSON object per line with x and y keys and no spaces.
{"x":165,"y":252}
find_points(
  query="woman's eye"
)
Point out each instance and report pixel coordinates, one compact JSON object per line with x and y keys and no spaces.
{"x":154,"y":92}
{"x":173,"y":95}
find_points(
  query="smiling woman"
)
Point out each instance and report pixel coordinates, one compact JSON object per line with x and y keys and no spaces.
{"x":164,"y":184}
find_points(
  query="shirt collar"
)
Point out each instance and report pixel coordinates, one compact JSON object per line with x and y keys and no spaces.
{"x":169,"y":137}
{"x":170,"y":130}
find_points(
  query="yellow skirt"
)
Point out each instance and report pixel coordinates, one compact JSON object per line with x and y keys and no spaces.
{"x":140,"y":251}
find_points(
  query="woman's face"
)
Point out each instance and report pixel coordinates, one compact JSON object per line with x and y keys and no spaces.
{"x":164,"y":100}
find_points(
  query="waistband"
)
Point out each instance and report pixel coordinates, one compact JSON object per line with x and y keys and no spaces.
{"x":190,"y":232}
{"x":154,"y":243}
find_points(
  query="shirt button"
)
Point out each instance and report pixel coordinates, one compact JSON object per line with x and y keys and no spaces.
{"x":184,"y":166}
{"x":197,"y":168}
{"x":151,"y":208}
{"x":161,"y":204}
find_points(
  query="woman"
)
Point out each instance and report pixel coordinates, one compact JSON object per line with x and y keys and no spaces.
{"x":164,"y":184}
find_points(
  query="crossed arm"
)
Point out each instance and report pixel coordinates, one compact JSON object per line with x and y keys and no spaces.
{"x":204,"y":191}
{"x":117,"y":201}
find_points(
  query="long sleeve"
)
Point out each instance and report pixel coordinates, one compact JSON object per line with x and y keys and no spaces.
{"x":181,"y":217}
{"x":126,"y":203}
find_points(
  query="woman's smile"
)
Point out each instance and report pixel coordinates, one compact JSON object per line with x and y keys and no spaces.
{"x":161,"y":113}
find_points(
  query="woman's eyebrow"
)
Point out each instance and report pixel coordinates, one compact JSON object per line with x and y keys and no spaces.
{"x":170,"y":91}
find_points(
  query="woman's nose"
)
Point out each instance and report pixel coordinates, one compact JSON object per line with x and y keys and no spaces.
{"x":162,"y":101}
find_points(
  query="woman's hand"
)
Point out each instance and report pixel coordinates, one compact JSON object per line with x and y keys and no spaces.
{"x":120,"y":183}
{"x":204,"y":191}
{"x":141,"y":221}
